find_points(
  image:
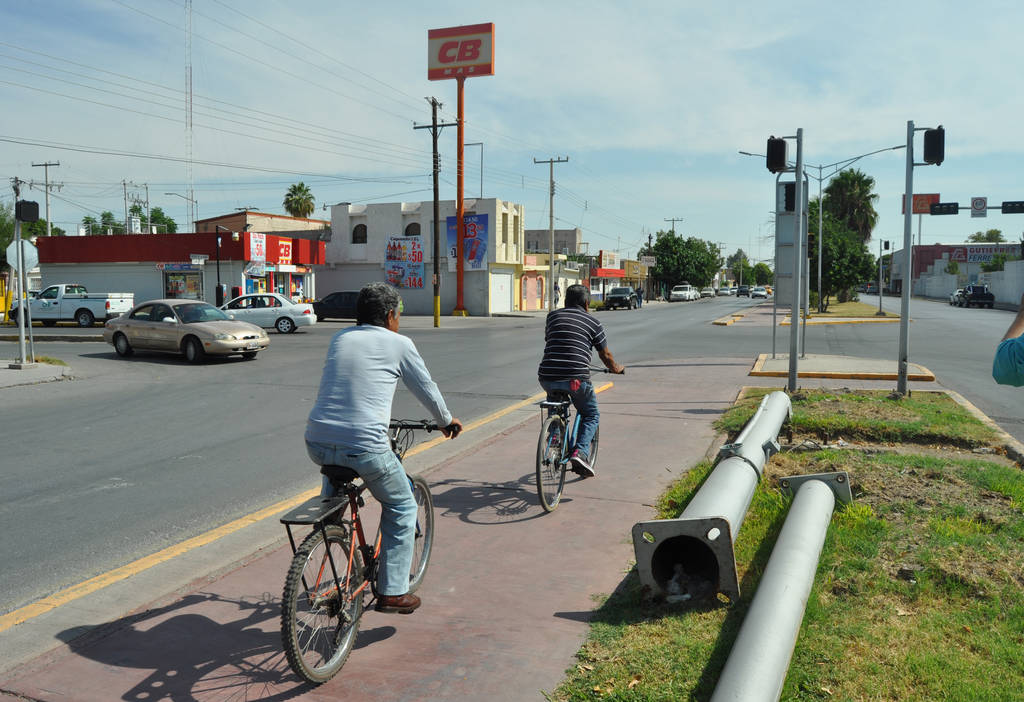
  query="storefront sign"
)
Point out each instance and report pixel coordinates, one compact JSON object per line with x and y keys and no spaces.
{"x":284,"y":251}
{"x":404,"y":261}
{"x":609,"y":259}
{"x":178,"y":267}
{"x":474,"y":247}
{"x":257,"y":247}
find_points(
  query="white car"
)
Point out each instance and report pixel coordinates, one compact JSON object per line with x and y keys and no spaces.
{"x":271,"y":311}
{"x":954,"y":297}
{"x":683,"y":293}
{"x":758,"y":291}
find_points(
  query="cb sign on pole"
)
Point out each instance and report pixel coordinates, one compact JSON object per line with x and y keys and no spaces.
{"x":460,"y":52}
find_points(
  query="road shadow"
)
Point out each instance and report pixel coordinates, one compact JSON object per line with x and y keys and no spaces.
{"x":203,"y":646}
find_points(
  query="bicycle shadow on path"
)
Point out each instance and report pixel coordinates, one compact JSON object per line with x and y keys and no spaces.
{"x":491,"y":503}
{"x":223,"y":645}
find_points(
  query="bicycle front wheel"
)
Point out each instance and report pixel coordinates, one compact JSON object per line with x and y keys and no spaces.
{"x":319,"y":619}
{"x":424,"y":531}
{"x":550,"y":468}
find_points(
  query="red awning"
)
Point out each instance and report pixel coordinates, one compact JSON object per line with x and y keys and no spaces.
{"x":607,"y":273}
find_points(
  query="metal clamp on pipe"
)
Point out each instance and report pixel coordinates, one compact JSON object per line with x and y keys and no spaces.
{"x":693,"y":556}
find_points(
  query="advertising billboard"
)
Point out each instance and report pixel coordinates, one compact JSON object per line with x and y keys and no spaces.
{"x":460,"y":52}
{"x":404,"y":261}
{"x":474,"y":251}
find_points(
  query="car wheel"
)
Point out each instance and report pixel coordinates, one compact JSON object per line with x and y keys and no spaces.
{"x":84,"y":318}
{"x":49,"y":322}
{"x":990,"y":305}
{"x":121,"y":345}
{"x":319,"y":318}
{"x":249,"y":355}
{"x":193,"y":350}
{"x":285,"y":325}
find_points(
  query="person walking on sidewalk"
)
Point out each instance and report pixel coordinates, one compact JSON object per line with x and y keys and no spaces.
{"x":1008,"y":364}
{"x":348,"y":426}
{"x":569,"y":335}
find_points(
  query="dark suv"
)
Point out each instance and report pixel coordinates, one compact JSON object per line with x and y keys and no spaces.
{"x":337,"y":305}
{"x":620,"y":297}
{"x":743,"y":290}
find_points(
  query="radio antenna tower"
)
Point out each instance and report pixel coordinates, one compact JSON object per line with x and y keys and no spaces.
{"x":188,"y":115}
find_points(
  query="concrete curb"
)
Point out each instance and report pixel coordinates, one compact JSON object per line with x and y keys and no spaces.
{"x":724,"y":321}
{"x":758,"y":371}
{"x":1014,"y":449}
{"x":786,"y":321}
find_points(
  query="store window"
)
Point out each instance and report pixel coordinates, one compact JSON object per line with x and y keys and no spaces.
{"x":184,"y":286}
{"x":359,"y":234}
{"x":413,"y":229}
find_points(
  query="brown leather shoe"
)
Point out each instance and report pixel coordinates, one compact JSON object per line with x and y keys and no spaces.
{"x":403,"y":604}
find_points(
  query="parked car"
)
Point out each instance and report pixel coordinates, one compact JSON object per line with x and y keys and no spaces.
{"x":724,"y":291}
{"x":978,"y":295}
{"x":683,"y":293}
{"x":954,"y":297}
{"x":71,"y":302}
{"x":12,"y":314}
{"x":191,"y":327}
{"x":271,"y":311}
{"x":758,"y":291}
{"x":707,"y":292}
{"x":743,"y":290}
{"x":621,"y":297}
{"x":337,"y":305}
{"x":871,"y":289}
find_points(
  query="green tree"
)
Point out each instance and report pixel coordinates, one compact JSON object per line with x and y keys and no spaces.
{"x":694,"y":260}
{"x":299,"y":201}
{"x":997,"y":263}
{"x":850,"y":199}
{"x":6,"y":229}
{"x":845,"y":261}
{"x":163,"y":223}
{"x":992,"y":236}
{"x":739,"y":264}
{"x":109,"y":221}
{"x":763,"y":273}
{"x":92,"y":226}
{"x":31,"y":230}
{"x":953,"y":268}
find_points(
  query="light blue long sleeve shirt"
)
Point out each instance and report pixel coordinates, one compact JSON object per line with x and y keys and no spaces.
{"x":353,"y":406}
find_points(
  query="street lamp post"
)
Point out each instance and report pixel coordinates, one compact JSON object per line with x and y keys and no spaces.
{"x":195,"y":204}
{"x":219,"y":295}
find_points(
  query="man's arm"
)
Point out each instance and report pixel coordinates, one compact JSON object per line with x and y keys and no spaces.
{"x":605,"y":354}
{"x":1017,"y":326}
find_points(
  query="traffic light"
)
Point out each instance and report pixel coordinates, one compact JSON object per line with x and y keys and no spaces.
{"x":945,"y":208}
{"x":886,"y":245}
{"x":26,"y":211}
{"x":776,"y":160}
{"x":789,"y":197}
{"x":1013,"y":206}
{"x":934,"y":145}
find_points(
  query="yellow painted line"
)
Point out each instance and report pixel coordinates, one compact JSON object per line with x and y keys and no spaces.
{"x":759,"y":364}
{"x":87,"y":587}
{"x":724,"y":321}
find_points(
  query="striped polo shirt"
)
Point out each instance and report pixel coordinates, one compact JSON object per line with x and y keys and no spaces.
{"x":569,"y":334}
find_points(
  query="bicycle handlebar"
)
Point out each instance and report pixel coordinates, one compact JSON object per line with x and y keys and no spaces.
{"x":595,"y":369}
{"x":424,"y":424}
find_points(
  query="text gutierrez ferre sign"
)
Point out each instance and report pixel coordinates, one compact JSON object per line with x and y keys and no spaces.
{"x":460,"y":52}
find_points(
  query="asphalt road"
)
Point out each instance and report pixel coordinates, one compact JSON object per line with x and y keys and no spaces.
{"x":141,"y":453}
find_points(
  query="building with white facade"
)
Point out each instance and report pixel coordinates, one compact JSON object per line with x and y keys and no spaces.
{"x":394,"y":242}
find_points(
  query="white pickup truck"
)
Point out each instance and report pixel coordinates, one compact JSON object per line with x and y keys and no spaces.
{"x":68,"y":302}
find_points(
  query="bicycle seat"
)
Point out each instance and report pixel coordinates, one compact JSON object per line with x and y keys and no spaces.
{"x":339,"y":474}
{"x":556,"y":398}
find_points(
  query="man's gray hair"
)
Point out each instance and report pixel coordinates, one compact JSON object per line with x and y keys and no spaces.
{"x":374,"y":302}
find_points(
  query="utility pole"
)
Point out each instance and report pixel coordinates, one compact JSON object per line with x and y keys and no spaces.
{"x":551,"y":226}
{"x":46,"y":180}
{"x":673,"y":220}
{"x":124,"y":184}
{"x":435,"y":130}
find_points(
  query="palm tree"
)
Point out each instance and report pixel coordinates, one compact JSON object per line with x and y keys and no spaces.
{"x":299,"y":201}
{"x":850,"y":200}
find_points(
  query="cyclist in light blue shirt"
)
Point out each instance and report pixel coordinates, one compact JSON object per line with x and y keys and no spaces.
{"x":348,"y":426}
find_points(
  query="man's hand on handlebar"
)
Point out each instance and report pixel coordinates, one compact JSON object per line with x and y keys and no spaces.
{"x":618,"y":369}
{"x":453,"y":429}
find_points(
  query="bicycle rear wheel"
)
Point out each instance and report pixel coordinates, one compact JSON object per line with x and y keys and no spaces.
{"x":319,"y":621}
{"x":424,"y":531}
{"x":550,"y":468}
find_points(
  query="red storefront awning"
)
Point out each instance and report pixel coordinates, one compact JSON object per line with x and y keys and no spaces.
{"x":607,"y":273}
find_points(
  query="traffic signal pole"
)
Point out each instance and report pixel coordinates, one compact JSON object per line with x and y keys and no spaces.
{"x":794,"y":326}
{"x":908,"y":240}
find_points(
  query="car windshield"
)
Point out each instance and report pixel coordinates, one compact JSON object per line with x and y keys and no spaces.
{"x":199,"y":312}
{"x":621,"y":291}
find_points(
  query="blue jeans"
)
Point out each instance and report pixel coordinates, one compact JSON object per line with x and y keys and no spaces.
{"x":585,"y":402}
{"x":389,"y":485}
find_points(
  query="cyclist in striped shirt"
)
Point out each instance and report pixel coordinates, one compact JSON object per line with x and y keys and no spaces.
{"x":569,"y":335}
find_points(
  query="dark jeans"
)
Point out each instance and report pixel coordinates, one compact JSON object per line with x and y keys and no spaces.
{"x":585,"y":402}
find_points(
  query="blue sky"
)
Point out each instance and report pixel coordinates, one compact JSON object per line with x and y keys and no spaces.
{"x":650,"y":101}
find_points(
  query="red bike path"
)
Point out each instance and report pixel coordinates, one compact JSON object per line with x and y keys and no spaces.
{"x":507,"y":597}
